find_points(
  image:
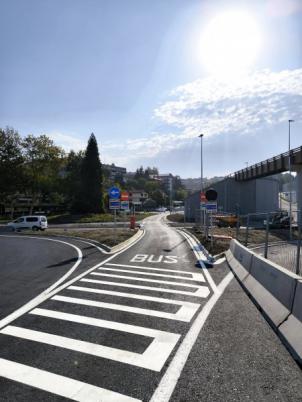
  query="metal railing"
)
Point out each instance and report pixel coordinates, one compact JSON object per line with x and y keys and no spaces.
{"x":272,"y":239}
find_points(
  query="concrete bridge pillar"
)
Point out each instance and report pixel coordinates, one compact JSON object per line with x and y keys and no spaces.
{"x":298,"y":169}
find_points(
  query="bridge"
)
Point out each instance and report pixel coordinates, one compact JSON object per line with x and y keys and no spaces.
{"x":274,"y":165}
{"x":271,"y":166}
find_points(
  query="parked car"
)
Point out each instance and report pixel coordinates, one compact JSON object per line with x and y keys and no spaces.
{"x":37,"y":222}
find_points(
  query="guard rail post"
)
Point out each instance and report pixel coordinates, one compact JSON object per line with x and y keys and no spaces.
{"x":247,"y":229}
{"x":298,"y":245}
{"x":266,"y":235}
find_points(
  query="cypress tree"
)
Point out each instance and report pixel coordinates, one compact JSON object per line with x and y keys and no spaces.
{"x":91,"y":193}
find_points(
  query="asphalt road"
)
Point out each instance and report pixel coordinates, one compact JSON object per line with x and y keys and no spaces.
{"x":146,"y":325}
{"x":29,"y":266}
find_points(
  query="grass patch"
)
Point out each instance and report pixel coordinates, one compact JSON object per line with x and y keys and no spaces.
{"x":105,"y":236}
{"x":179,"y":218}
{"x":95,"y":218}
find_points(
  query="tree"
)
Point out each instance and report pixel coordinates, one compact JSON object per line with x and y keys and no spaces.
{"x":72,"y":180}
{"x":43,"y":162}
{"x":11,"y":161}
{"x":91,"y":185}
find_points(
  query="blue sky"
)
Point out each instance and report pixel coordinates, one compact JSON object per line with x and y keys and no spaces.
{"x":136,"y":73}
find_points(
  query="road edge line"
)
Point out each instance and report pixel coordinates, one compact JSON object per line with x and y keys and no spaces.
{"x":45,"y":296}
{"x":169,"y":381}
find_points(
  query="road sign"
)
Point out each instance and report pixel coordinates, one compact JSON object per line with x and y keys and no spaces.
{"x":114,"y":193}
{"x":114,"y":203}
{"x":124,"y":196}
{"x":211,"y":194}
{"x":211,"y":206}
{"x":203,"y":197}
{"x":124,"y":204}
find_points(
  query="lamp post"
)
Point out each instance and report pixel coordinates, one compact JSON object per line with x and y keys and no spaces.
{"x":290,"y":182}
{"x":201,"y":178}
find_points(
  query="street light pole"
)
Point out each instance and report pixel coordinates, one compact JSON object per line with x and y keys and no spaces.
{"x":201,"y":179}
{"x":290,"y":182}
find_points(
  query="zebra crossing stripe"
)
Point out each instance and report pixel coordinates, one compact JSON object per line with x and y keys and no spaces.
{"x":58,"y":384}
{"x":153,"y":358}
{"x":184,"y":274}
{"x":202,"y":291}
{"x":185,"y":313}
{"x":136,"y":310}
{"x":196,"y":278}
{"x":134,"y":278}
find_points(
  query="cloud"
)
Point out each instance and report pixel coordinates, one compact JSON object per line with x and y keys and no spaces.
{"x":283,"y":8}
{"x":248,"y":103}
{"x":67,"y":141}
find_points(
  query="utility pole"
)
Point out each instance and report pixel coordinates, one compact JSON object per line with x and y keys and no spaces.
{"x":290,"y":182}
{"x":201,"y":181}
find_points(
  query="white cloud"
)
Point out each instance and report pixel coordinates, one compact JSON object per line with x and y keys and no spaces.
{"x":67,"y":141}
{"x":248,"y":103}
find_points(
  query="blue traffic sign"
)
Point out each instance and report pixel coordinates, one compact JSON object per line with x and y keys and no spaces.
{"x":114,"y":192}
{"x":114,"y":204}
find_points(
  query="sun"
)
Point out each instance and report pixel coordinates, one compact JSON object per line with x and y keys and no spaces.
{"x":230,"y":43}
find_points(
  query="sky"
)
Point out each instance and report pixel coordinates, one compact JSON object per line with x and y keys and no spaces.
{"x":147,"y":77}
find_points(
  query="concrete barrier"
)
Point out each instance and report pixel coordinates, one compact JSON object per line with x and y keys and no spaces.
{"x":277,"y":291}
{"x":240,"y":259}
{"x":291,"y":329}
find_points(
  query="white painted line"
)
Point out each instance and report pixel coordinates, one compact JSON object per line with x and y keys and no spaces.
{"x":134,"y":278}
{"x":185,"y":313}
{"x":58,"y":384}
{"x":68,"y":273}
{"x":193,"y":244}
{"x":196,"y":277}
{"x":169,"y":380}
{"x":202,"y":291}
{"x":44,"y":296}
{"x":177,"y":271}
{"x":153,"y":358}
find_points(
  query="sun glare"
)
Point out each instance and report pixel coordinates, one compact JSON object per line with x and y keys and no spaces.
{"x":230,"y":43}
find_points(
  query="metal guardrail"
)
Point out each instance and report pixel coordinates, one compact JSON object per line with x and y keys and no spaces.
{"x":276,"y":164}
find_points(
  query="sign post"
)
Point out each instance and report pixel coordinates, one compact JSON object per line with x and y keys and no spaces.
{"x":211,"y":196}
{"x":114,"y":203}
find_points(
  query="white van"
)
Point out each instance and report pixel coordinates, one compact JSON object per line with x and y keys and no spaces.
{"x":34,"y":222}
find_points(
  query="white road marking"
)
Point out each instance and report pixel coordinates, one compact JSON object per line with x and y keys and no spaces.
{"x":153,"y":358}
{"x":196,"y":277}
{"x":58,"y":384}
{"x":169,"y":380}
{"x":177,"y":271}
{"x":46,"y":295}
{"x":134,"y":278}
{"x":202,"y":291}
{"x":68,"y":273}
{"x":185,"y":313}
{"x":193,"y":244}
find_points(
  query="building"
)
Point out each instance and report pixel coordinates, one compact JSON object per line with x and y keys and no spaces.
{"x":115,"y":171}
{"x":253,"y":196}
{"x":138,"y":197}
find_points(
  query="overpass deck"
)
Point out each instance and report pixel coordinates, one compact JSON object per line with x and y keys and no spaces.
{"x":274,"y":165}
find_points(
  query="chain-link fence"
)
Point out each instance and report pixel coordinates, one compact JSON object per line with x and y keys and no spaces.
{"x":274,"y":236}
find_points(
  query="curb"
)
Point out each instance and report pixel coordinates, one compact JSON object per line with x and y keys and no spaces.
{"x":204,"y":258}
{"x":138,"y":235}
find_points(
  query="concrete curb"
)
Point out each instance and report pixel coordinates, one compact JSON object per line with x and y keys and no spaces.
{"x":205,"y":258}
{"x":119,"y":247}
{"x":276,"y":291}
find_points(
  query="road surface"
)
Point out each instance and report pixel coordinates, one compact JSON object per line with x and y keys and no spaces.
{"x":145,"y":324}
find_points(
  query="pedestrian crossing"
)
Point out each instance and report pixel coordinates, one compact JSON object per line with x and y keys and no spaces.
{"x":161,"y":297}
